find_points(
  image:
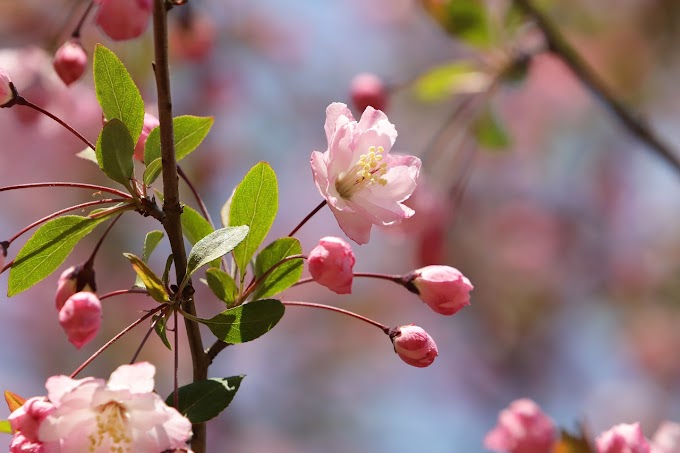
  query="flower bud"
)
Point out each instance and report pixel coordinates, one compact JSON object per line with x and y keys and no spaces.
{"x":27,"y":418}
{"x":3,"y":253}
{"x":622,"y":438}
{"x":123,"y":19}
{"x":445,"y":289}
{"x":331,"y":263}
{"x":80,"y":317}
{"x":522,"y":428}
{"x":7,"y":93}
{"x":73,"y":280}
{"x":70,"y":61}
{"x":368,"y":90}
{"x":666,"y":439}
{"x":413,"y":345}
{"x":150,"y":122}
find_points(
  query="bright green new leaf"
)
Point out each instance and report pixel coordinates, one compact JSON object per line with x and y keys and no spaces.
{"x":490,"y":132}
{"x":284,"y":275}
{"x":222,"y":285}
{"x":254,"y":203}
{"x":189,"y":132}
{"x":151,"y":241}
{"x":114,"y":152}
{"x":450,"y":79}
{"x":195,"y":227}
{"x":152,"y":171}
{"x":49,"y":246}
{"x":467,"y":20}
{"x":204,"y":400}
{"x":214,"y":246}
{"x":246,"y":322}
{"x":117,"y":94}
{"x":5,"y":427}
{"x":160,"y":326}
{"x":151,"y":281}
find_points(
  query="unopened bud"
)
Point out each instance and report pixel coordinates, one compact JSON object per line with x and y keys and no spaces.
{"x":73,"y":280}
{"x":522,"y":428}
{"x":7,"y":91}
{"x":81,"y":317}
{"x":150,"y":123}
{"x":413,"y":345}
{"x":123,"y":19}
{"x":3,"y":253}
{"x":443,"y":288}
{"x":368,"y":90}
{"x":331,"y":263}
{"x":70,"y":61}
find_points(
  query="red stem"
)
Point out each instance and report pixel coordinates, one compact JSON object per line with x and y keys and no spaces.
{"x":67,"y":184}
{"x":21,"y":101}
{"x":123,"y":291}
{"x":338,"y":310}
{"x":309,"y":216}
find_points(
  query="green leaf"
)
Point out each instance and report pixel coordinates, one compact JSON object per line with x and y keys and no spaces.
{"x":465,"y":19}
{"x":166,"y":270}
{"x":114,"y":152}
{"x":204,"y":400}
{"x":254,"y":203}
{"x":151,"y":241}
{"x":213,"y":246}
{"x":222,"y":285}
{"x":152,"y":171}
{"x":160,"y":326}
{"x":450,"y":79}
{"x":5,"y":427}
{"x":88,"y":154}
{"x":285,"y":275}
{"x":44,"y":252}
{"x":246,"y":322}
{"x":189,"y":132}
{"x":195,"y":227}
{"x":117,"y":94}
{"x":151,"y":281}
{"x":489,"y":132}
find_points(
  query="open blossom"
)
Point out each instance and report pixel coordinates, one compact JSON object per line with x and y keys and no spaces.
{"x":414,"y":346}
{"x":666,"y":439}
{"x":123,"y":19}
{"x":362,"y":182}
{"x":70,"y":61}
{"x":623,"y":438}
{"x":6,"y":94}
{"x":25,"y":422}
{"x":443,"y":288}
{"x":123,"y":414}
{"x":331,"y":263}
{"x":150,"y":123}
{"x":81,"y":317}
{"x":522,"y":428}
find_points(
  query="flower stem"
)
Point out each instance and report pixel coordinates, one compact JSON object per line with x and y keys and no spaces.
{"x":309,"y":216}
{"x":382,"y":327}
{"x":197,"y":196}
{"x":76,"y":31}
{"x":67,"y":184}
{"x":123,"y":291}
{"x":90,"y":261}
{"x":392,"y":278}
{"x":253,"y":284}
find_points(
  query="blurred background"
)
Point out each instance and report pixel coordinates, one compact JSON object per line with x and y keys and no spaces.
{"x":566,"y":225}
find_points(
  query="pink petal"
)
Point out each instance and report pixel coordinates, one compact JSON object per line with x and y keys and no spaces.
{"x":355,"y":227}
{"x":375,"y":119}
{"x":333,"y":112}
{"x":138,"y":378}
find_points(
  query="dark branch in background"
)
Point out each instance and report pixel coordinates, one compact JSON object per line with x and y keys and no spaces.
{"x":559,"y":46}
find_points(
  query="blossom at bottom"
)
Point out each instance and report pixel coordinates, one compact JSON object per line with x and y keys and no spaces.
{"x":622,"y":438}
{"x":25,"y":422}
{"x":666,"y":439}
{"x":522,"y":428}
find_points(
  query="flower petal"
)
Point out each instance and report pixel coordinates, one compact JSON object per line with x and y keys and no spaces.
{"x":377,"y":120}
{"x":334,"y":112}
{"x":356,"y":227}
{"x":137,"y":378}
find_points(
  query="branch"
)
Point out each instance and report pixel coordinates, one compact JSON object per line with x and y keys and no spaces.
{"x":559,"y":46}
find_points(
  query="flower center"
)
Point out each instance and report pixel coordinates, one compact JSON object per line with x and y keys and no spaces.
{"x":111,"y":423}
{"x":367,"y":171}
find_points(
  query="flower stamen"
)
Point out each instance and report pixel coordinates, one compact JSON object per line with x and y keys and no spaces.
{"x":368,"y":170}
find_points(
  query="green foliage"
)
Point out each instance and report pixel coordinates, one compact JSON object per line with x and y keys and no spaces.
{"x":117,"y":94}
{"x":5,"y":427}
{"x":222,"y":285}
{"x":283,"y":276}
{"x":254,"y":203}
{"x":490,"y":132}
{"x":151,"y":241}
{"x":195,"y":227}
{"x":466,"y":20}
{"x":114,"y":152}
{"x":450,"y":79}
{"x":151,"y":281}
{"x":204,"y":400}
{"x":160,"y":326}
{"x":246,"y":322}
{"x":213,"y":246}
{"x":44,"y":252}
{"x":152,"y":171}
{"x":189,"y":132}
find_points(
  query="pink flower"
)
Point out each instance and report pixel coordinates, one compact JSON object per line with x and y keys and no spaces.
{"x":123,"y":414}
{"x":6,"y":93}
{"x":622,"y":438}
{"x":522,"y":428}
{"x":123,"y":19}
{"x":73,"y":280}
{"x":81,"y":317}
{"x":414,"y":346}
{"x":70,"y":61}
{"x":368,"y":90}
{"x":150,"y":123}
{"x":25,"y":423}
{"x":666,"y":439}
{"x":362,"y":182}
{"x":445,"y":289}
{"x":331,"y":263}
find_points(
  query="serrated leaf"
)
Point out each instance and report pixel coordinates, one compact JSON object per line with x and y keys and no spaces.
{"x":160,"y":324}
{"x":152,"y":171}
{"x":204,"y":400}
{"x":151,"y":281}
{"x":13,"y":400}
{"x":285,"y":275}
{"x":116,"y":92}
{"x":114,"y":152}
{"x":441,"y":82}
{"x":246,"y":322}
{"x":222,"y":285}
{"x":5,"y":427}
{"x":489,"y":132}
{"x":88,"y":154}
{"x":254,"y":203}
{"x":214,"y":246}
{"x":189,"y":132}
{"x":44,"y":252}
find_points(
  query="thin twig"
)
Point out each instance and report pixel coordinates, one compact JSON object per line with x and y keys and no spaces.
{"x":67,"y":184}
{"x":309,"y":216}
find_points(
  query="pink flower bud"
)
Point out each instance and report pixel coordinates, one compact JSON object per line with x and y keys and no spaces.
{"x":73,"y":280}
{"x":368,"y":90}
{"x":150,"y":122}
{"x":25,"y":422}
{"x":414,"y":346}
{"x":70,"y":61}
{"x":123,"y":19}
{"x":6,"y":93}
{"x":445,"y":289}
{"x":80,"y":317}
{"x":331,"y":263}
{"x":622,"y":438}
{"x":3,"y":254}
{"x":522,"y":428}
{"x":666,"y":438}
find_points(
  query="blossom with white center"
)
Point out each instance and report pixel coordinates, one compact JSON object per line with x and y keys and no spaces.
{"x":362,"y":182}
{"x":121,"y":415}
